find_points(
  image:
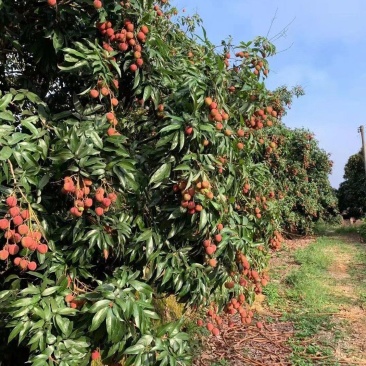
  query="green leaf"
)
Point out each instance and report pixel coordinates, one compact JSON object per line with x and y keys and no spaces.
{"x":63,"y":324}
{"x":98,"y":319}
{"x":28,"y":125}
{"x":134,"y":350}
{"x":76,"y":66}
{"x":97,"y":141}
{"x":5,"y":100}
{"x":203,"y":220}
{"x":58,"y":40}
{"x":5,"y":153}
{"x":162,"y":173}
{"x":172,"y":127}
{"x":7,"y":116}
{"x":15,"y":331}
{"x":101,"y":304}
{"x":26,"y":301}
{"x":49,"y":291}
{"x":147,"y":92}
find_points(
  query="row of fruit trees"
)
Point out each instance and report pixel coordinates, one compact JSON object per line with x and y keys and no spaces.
{"x":138,"y":160}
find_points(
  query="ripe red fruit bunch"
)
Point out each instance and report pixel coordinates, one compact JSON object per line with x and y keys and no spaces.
{"x":85,"y":197}
{"x":21,"y":235}
{"x":102,"y":89}
{"x":276,"y":241}
{"x":213,"y":322}
{"x":158,"y":11}
{"x":73,"y":302}
{"x":261,"y":118}
{"x":216,"y":115}
{"x":127,"y":39}
{"x":188,"y":202}
{"x":227,"y":57}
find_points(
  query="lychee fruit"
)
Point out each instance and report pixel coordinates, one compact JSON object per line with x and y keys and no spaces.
{"x":4,"y":254}
{"x":95,"y":355}
{"x":4,"y":224}
{"x":17,"y":220}
{"x":32,"y":266}
{"x":11,"y":201}
{"x":13,"y":249}
{"x":42,"y":248}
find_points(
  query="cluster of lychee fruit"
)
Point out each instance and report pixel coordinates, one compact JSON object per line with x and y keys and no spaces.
{"x":236,"y":305}
{"x":262,"y":117}
{"x":226,"y":59}
{"x":73,"y":302}
{"x":103,"y":90}
{"x":215,"y":114}
{"x":259,"y":67}
{"x":242,"y":54}
{"x":21,"y":235}
{"x":85,"y":197}
{"x":203,"y":187}
{"x":210,"y":245}
{"x":126,"y":39}
{"x":248,"y":275}
{"x":158,"y":11}
{"x":187,"y":194}
{"x":220,"y":165}
{"x":276,"y":242}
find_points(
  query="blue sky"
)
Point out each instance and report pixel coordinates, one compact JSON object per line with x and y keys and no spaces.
{"x":323,"y":50}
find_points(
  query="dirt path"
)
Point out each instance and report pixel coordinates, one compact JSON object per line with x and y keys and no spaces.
{"x":296,"y":334}
{"x":348,"y":273}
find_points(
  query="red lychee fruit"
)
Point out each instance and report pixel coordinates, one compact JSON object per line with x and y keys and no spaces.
{"x":69,"y":298}
{"x":220,"y":227}
{"x":14,"y":211}
{"x":218,"y":238}
{"x":32,"y":266}
{"x":13,"y":249}
{"x":17,"y":220}
{"x":11,"y":201}
{"x":211,"y":249}
{"x":97,"y":4}
{"x":200,"y":322}
{"x":23,"y":264}
{"x":144,"y":29}
{"x":188,"y":130}
{"x":133,"y":67}
{"x":75,"y":212}
{"x":112,"y":196}
{"x":94,"y":93}
{"x":215,"y":332}
{"x":95,"y":355}
{"x":42,"y":248}
{"x":99,"y":211}
{"x":4,"y":254}
{"x":4,"y":224}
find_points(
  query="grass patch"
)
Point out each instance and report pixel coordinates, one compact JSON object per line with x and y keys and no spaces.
{"x":322,"y":229}
{"x":307,"y":282}
{"x":306,"y":297}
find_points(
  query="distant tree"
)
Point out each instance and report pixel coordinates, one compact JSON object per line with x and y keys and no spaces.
{"x":351,"y":193}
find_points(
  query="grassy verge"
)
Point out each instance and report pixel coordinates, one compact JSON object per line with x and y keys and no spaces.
{"x":307,"y":295}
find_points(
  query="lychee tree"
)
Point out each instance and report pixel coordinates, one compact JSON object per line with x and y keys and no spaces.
{"x":132,"y":167}
{"x":351,"y":192}
{"x":301,"y":171}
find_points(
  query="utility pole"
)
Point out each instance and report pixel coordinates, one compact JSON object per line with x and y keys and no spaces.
{"x":361,"y":130}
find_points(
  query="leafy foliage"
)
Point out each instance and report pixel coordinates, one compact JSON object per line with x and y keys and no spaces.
{"x":351,"y":192}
